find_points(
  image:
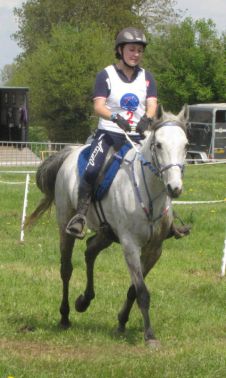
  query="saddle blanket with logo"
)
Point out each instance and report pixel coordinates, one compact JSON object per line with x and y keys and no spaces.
{"x":109,"y":171}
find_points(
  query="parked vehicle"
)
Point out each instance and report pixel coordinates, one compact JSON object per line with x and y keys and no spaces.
{"x":14,"y":114}
{"x":207,"y":132}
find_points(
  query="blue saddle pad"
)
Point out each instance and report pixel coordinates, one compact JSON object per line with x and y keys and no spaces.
{"x":109,"y":173}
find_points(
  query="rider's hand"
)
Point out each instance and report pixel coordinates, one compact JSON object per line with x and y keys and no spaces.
{"x":121,"y":122}
{"x":143,"y":124}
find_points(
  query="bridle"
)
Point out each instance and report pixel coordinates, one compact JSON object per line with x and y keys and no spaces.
{"x":159,"y":168}
{"x":156,"y":168}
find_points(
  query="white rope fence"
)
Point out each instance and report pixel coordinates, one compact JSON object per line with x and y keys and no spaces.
{"x":201,"y":163}
{"x":12,"y":183}
{"x":25,"y":203}
{"x":223,"y":266}
{"x":197,"y":202}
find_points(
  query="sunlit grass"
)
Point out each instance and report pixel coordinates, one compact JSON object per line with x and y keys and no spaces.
{"x":187,"y":296}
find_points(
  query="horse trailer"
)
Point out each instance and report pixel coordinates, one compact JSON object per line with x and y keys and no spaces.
{"x":207,"y":132}
{"x":14,"y":114}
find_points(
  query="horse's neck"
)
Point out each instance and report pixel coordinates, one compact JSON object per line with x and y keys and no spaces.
{"x":153,"y":181}
{"x":150,"y":186}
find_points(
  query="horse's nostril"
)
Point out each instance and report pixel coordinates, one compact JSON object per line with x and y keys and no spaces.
{"x":173,"y":192}
{"x":169,"y":190}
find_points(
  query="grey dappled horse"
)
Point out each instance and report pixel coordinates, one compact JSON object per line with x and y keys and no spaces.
{"x":137,"y":211}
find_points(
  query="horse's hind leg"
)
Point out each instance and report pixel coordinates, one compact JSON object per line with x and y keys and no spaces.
{"x":66,"y":249}
{"x":95,"y":244}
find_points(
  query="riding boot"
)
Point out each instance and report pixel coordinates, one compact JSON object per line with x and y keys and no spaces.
{"x":179,"y":231}
{"x":76,"y":226}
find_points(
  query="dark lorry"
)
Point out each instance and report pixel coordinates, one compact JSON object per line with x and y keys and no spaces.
{"x":14,"y":114}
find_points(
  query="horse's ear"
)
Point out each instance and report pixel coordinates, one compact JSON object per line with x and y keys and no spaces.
{"x":160,"y":111}
{"x":184,"y":113}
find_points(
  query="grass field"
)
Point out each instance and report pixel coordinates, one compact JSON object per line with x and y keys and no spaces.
{"x":188,"y":302}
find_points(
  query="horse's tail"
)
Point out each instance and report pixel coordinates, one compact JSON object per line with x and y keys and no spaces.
{"x":45,"y":181}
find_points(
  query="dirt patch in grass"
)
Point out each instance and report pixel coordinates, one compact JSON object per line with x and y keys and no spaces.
{"x":28,"y":350}
{"x":51,"y":274}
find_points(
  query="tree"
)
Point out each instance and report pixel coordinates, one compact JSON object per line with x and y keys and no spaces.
{"x":62,"y":54}
{"x":7,"y":73}
{"x":37,"y":17}
{"x":60,"y":74}
{"x":189,"y":64}
{"x":158,"y":14}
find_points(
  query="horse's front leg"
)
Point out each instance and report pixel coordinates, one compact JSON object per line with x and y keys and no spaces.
{"x":66,"y":248}
{"x":139,"y":291}
{"x":148,"y":260}
{"x":95,"y":244}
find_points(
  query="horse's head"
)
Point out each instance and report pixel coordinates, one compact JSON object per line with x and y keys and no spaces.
{"x":168,"y":148}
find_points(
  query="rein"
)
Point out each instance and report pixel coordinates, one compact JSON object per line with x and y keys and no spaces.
{"x":156,"y":169}
{"x":148,"y":211}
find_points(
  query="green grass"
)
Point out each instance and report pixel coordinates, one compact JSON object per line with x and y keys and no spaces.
{"x":187,"y":296}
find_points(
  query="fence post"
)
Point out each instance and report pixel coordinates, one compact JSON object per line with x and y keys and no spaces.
{"x":24,"y":207}
{"x":223,"y":260}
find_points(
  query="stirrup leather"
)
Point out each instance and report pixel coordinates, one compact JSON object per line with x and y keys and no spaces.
{"x":76,"y":226}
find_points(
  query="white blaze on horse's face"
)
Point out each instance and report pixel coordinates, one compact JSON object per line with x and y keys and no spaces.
{"x":170,"y":145}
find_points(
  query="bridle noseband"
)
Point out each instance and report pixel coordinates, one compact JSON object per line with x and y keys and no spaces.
{"x":158,"y":167}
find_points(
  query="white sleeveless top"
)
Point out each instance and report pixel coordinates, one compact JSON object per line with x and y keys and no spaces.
{"x":127,"y":99}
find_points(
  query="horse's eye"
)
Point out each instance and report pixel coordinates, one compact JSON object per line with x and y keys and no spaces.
{"x":158,"y":145}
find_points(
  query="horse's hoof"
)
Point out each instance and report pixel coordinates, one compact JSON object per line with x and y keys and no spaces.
{"x":121,"y":329}
{"x":153,"y":344}
{"x":119,"y":332}
{"x":81,"y":304}
{"x":64,"y":324}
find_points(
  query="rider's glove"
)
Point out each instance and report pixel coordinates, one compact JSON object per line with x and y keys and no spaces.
{"x":143,"y":124}
{"x":121,"y":122}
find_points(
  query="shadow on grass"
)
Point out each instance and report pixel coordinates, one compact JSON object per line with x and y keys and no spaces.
{"x":90,"y":329}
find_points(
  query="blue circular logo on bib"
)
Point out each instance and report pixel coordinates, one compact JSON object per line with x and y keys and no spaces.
{"x":129,"y":101}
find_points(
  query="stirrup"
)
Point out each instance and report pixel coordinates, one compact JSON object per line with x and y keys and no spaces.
{"x":76,"y":226}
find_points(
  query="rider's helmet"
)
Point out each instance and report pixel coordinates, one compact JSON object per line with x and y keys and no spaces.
{"x":129,"y":35}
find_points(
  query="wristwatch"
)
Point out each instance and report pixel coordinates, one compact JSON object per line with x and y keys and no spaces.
{"x":113,"y":117}
{"x":151,"y":120}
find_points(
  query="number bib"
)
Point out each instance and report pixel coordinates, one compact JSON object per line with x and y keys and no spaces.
{"x":127,"y":99}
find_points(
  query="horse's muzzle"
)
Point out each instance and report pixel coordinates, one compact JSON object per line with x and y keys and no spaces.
{"x":174,"y":192}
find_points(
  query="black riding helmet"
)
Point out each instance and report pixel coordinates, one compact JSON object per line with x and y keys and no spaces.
{"x":129,"y":35}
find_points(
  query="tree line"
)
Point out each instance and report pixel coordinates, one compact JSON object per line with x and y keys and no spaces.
{"x":66,"y":43}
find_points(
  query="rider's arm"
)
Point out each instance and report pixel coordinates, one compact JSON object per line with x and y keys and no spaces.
{"x":151,"y":106}
{"x":100,"y":108}
{"x":151,"y":101}
{"x":100,"y":94}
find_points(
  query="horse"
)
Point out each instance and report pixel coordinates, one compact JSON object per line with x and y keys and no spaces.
{"x":135,"y":212}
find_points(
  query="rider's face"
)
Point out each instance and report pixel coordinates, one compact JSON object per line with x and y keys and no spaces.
{"x":132,"y":53}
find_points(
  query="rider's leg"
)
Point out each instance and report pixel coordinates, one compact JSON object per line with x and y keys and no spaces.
{"x":99,"y":150}
{"x":77,"y":223}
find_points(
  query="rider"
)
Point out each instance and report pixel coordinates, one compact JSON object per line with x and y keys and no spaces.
{"x":125,"y":99}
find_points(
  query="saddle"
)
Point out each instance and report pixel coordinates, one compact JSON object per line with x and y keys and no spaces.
{"x":111,"y":168}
